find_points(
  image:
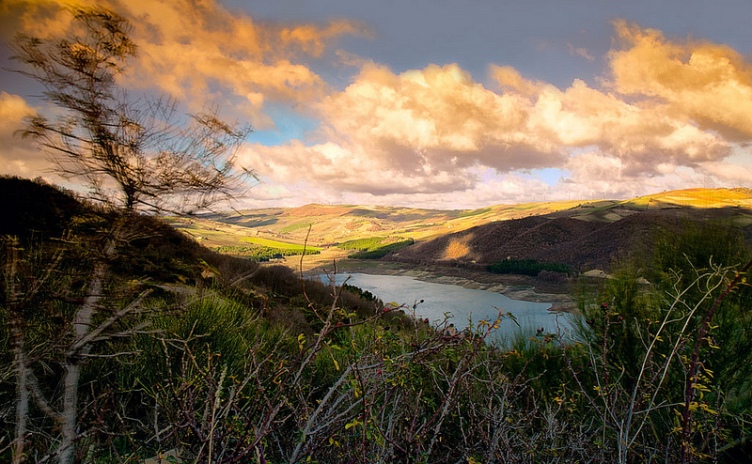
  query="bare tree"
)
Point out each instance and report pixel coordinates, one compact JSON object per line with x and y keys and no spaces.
{"x":132,"y":152}
{"x":136,"y":155}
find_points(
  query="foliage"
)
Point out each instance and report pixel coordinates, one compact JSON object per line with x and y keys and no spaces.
{"x":362,"y":244}
{"x":668,"y":358}
{"x":255,"y":365}
{"x":133,"y":154}
{"x":263,"y":253}
{"x":53,"y":208}
{"x":383,"y":250}
{"x":527,"y":267}
{"x":278,"y":244}
{"x":365,"y":294}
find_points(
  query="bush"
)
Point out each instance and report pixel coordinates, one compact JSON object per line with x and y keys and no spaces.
{"x":529,"y":267}
{"x":383,"y":250}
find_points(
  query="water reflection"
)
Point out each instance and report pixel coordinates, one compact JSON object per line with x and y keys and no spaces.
{"x":452,"y":304}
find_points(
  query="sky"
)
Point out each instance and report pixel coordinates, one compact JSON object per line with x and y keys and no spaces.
{"x":436,"y":103}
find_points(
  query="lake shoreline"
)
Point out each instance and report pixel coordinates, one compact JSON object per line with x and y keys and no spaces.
{"x":516,"y":287}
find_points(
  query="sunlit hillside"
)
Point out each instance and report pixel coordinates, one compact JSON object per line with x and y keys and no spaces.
{"x":698,"y":198}
{"x":328,"y":231}
{"x":188,"y":336}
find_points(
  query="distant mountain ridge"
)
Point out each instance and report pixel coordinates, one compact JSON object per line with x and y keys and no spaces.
{"x":581,"y":234}
{"x":590,"y":235}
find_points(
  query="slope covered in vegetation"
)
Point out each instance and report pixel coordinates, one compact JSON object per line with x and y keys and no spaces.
{"x":220,"y":359}
{"x":583,"y":238}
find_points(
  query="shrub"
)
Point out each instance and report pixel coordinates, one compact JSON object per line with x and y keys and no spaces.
{"x":383,"y":250}
{"x":527,"y":267}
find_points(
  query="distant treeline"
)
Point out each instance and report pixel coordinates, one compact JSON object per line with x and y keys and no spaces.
{"x":365,"y":294}
{"x":373,"y":248}
{"x":530,"y":267}
{"x":362,"y":244}
{"x":263,"y":253}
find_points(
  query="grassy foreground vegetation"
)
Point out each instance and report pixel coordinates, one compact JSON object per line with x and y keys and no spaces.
{"x":122,"y":339}
{"x":250,"y":364}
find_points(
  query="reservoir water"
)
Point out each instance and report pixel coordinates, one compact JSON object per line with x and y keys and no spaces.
{"x":452,"y":304}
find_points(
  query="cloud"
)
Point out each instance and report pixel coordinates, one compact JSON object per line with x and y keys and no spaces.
{"x":666,"y":113}
{"x":19,"y":157}
{"x":729,"y":173}
{"x":437,"y":119}
{"x":593,"y":175}
{"x":204,"y":51}
{"x":201,"y":52}
{"x":652,"y":122}
{"x":707,"y":83}
{"x":418,"y":131}
{"x":580,"y":51}
{"x":345,"y":168}
{"x":638,"y":134}
{"x":510,"y":80}
{"x":427,"y":130}
{"x":41,"y":18}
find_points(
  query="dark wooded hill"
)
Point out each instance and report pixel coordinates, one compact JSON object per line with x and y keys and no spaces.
{"x":580,"y":243}
{"x":583,"y":235}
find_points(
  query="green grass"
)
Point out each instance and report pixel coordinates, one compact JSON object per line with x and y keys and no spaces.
{"x":262,"y":253}
{"x":380,"y":252}
{"x":473,"y":212}
{"x":362,"y":244}
{"x":294,"y":227}
{"x":266,"y":242}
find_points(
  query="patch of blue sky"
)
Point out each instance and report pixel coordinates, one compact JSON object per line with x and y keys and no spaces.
{"x":551,"y":176}
{"x":740,"y":155}
{"x":288,"y":125}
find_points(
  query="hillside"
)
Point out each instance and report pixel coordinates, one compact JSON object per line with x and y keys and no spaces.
{"x":581,"y":243}
{"x":581,"y":234}
{"x":331,"y":224}
{"x":206,"y":357}
{"x":38,"y":214}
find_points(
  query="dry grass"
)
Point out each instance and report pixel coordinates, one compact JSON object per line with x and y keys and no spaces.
{"x":457,"y":248}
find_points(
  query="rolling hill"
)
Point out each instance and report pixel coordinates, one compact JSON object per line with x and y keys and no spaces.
{"x":581,"y":234}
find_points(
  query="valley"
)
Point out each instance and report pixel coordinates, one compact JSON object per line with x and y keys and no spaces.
{"x":457,"y":246}
{"x":214,"y":314}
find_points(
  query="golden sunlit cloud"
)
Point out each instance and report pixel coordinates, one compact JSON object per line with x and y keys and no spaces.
{"x":510,"y":80}
{"x":40,"y":18}
{"x":666,"y":112}
{"x":202,"y":52}
{"x":418,"y":127}
{"x":707,"y":83}
{"x":437,"y":117}
{"x":420,"y":130}
{"x":638,"y":134}
{"x":19,"y":157}
{"x":211,"y":53}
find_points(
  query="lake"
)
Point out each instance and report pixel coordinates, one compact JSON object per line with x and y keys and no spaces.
{"x":445,"y":303}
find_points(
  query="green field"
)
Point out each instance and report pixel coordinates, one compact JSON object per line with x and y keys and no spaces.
{"x":266,"y":242}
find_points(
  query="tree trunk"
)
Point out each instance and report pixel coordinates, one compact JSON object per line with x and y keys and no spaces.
{"x":20,"y":361}
{"x":22,"y":398}
{"x":81,"y":328}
